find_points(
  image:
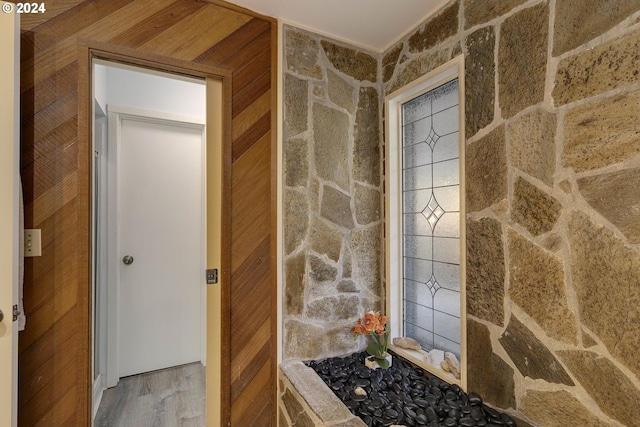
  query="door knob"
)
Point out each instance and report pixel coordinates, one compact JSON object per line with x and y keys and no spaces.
{"x":128,"y":259}
{"x":1,"y":316}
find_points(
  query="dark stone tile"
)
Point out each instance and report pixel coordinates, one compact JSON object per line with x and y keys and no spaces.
{"x":530,"y":356}
{"x":479,"y":80}
{"x":488,"y":375}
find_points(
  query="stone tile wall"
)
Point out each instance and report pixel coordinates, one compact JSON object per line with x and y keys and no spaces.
{"x":552,"y":173}
{"x":304,"y":400}
{"x":552,"y":99}
{"x":332,"y":194}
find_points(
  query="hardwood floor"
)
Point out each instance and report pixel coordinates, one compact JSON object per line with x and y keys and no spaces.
{"x":172,"y":397}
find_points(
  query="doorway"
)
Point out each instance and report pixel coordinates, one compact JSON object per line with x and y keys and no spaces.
{"x":149,"y":158}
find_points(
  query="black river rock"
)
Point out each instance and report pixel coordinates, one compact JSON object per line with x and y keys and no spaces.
{"x":404,"y":395}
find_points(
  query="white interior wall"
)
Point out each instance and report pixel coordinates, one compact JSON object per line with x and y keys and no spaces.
{"x":150,"y":90}
{"x":125,"y":86}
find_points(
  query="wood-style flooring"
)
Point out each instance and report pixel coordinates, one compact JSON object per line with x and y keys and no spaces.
{"x":172,"y":397}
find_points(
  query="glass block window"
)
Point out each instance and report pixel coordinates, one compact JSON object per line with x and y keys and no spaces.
{"x":430,"y":218}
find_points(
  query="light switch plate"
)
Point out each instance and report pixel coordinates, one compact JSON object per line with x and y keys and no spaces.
{"x":32,"y":242}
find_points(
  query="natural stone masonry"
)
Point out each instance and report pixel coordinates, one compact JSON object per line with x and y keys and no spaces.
{"x":532,"y":142}
{"x":558,"y":409}
{"x":479,"y":80}
{"x":605,"y":279}
{"x":569,"y":145}
{"x":295,"y":284}
{"x":357,"y":64}
{"x":301,"y":52}
{"x":580,"y":21}
{"x":300,"y":383}
{"x":485,"y":270}
{"x":295,"y":105}
{"x":602,"y":133}
{"x":606,"y":67}
{"x":616,"y":196}
{"x":332,"y":193}
{"x":537,"y":276}
{"x":366,"y":138}
{"x":415,"y":68}
{"x":438,"y":29}
{"x":489,"y":375}
{"x":533,"y":208}
{"x":331,"y":145}
{"x":337,"y":308}
{"x":389,"y":63}
{"x":587,"y":340}
{"x":325,"y":239}
{"x":304,"y":340}
{"x":296,"y":219}
{"x":341,"y":92}
{"x":296,"y":152}
{"x":486,"y":169}
{"x":336,"y":207}
{"x":522,"y":59}
{"x":617,"y":396}
{"x":367,"y":204}
{"x":480,"y":11}
{"x":530,"y":356}
{"x":366,"y":247}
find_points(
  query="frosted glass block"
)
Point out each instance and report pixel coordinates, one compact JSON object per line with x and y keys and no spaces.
{"x":446,"y":326}
{"x":418,"y":270}
{"x":447,"y":148}
{"x":448,"y":225}
{"x":419,"y":131}
{"x":447,"y":301}
{"x":416,"y":109}
{"x":419,"y":315}
{"x":442,"y":343}
{"x":418,"y":246}
{"x":446,"y":173}
{"x":445,"y":96}
{"x":448,"y":198}
{"x":424,"y":337}
{"x":416,"y":155}
{"x":416,"y":223}
{"x":446,"y":250}
{"x":417,"y":178}
{"x":446,"y":122}
{"x":415,"y":200}
{"x":448,"y":275}
{"x":418,"y":293}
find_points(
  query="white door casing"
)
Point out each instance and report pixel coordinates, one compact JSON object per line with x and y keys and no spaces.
{"x":9,"y":210}
{"x":160,"y":208}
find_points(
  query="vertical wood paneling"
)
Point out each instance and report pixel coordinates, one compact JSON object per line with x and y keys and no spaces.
{"x":54,"y":372}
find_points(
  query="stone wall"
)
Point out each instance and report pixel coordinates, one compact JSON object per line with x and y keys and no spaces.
{"x":332,"y":194}
{"x":553,"y":176}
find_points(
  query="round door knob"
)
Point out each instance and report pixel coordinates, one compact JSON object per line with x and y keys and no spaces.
{"x":128,"y":259}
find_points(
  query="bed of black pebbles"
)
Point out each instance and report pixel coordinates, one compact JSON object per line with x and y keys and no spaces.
{"x":403,"y":395}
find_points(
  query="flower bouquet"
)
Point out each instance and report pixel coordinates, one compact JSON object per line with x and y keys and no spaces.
{"x":374,"y":325}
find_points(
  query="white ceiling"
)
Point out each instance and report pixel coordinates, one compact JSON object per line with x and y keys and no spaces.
{"x":374,"y":24}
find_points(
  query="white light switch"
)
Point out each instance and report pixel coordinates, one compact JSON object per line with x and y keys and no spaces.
{"x":32,"y":242}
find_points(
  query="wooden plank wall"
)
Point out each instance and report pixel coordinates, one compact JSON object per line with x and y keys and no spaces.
{"x":54,"y":359}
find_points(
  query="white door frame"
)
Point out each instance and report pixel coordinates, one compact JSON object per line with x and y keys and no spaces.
{"x":9,"y":210}
{"x":115,"y":116}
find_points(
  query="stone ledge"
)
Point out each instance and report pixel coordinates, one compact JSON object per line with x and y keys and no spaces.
{"x":321,"y":405}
